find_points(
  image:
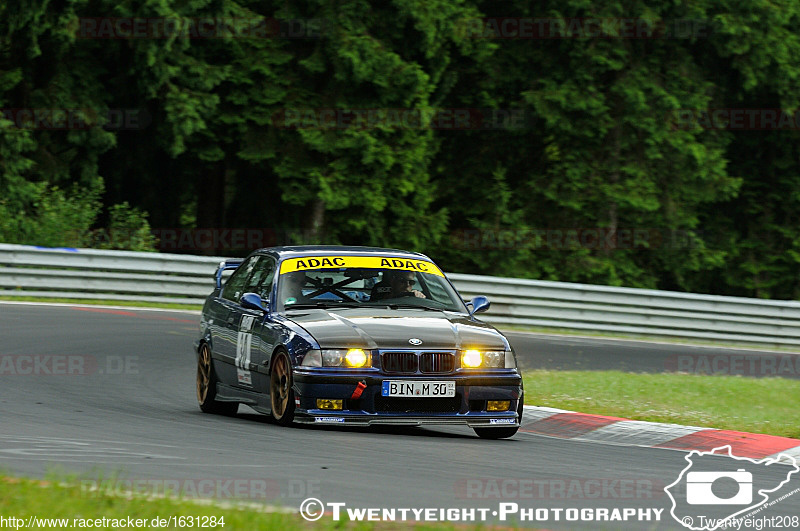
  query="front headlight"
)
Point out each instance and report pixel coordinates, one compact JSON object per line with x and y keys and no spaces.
{"x":353,"y":358}
{"x":487,"y":359}
{"x":313,"y":358}
{"x":356,"y":357}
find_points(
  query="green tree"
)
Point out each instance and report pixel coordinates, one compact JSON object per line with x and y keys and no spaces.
{"x":601,"y":152}
{"x":753,"y":53}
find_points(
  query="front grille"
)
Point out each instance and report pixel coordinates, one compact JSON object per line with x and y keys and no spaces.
{"x":385,"y":404}
{"x":414,"y":361}
{"x":436,"y":362}
{"x":399,"y":362}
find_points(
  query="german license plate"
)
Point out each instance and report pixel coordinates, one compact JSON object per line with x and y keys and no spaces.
{"x":415,"y":389}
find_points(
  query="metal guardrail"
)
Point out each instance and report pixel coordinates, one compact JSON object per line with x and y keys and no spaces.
{"x":108,"y":275}
{"x":164,"y":278}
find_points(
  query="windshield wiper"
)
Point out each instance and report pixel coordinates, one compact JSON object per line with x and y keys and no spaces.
{"x":321,"y":304}
{"x":413,"y":307}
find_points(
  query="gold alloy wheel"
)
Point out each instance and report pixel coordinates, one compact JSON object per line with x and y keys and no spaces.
{"x":203,"y":373}
{"x":279,"y":386}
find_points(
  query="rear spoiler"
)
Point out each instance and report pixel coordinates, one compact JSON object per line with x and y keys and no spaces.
{"x":226,"y":265}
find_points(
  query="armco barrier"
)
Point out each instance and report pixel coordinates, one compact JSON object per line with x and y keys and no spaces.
{"x":155,"y":277}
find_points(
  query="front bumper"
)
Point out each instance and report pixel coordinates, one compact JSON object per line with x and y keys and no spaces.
{"x":467,"y":408}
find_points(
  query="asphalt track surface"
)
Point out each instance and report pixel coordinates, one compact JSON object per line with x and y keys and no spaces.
{"x":121,"y":403}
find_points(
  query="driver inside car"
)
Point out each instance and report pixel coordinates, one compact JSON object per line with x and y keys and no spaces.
{"x":395,"y":284}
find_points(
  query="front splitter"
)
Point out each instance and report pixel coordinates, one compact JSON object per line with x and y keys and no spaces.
{"x":363,"y":420}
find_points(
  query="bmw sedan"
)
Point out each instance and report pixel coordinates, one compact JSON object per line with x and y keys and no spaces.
{"x":353,"y":336}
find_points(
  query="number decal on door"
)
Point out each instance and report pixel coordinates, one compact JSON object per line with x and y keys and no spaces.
{"x":243,"y":342}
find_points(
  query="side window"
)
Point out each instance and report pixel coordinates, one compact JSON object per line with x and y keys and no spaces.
{"x":234,"y":288}
{"x":437,"y":291}
{"x":260,"y":281}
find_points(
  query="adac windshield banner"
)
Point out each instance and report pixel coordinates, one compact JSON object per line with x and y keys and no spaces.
{"x":369,"y":262}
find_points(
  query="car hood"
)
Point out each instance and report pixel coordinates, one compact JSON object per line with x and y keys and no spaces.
{"x":376,"y":328}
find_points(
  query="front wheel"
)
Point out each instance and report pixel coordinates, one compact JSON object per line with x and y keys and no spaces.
{"x":207,"y":386}
{"x":280,"y":390}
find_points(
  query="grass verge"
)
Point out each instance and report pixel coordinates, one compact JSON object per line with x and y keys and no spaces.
{"x":740,"y":345}
{"x":756,"y":405}
{"x":52,"y":499}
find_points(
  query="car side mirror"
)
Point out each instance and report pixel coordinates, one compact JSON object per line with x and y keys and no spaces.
{"x":479,"y":304}
{"x":252,"y":301}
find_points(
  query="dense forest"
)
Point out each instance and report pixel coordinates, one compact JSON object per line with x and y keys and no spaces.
{"x":637,"y":143}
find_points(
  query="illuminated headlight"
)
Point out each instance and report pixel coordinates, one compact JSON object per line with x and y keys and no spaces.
{"x":354,"y":358}
{"x":471,"y":359}
{"x":487,"y":359}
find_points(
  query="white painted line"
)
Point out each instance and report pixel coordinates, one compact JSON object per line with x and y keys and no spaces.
{"x":552,"y":410}
{"x":635,"y":433}
{"x":784,"y":456}
{"x":533,"y":414}
{"x":101,"y":306}
{"x":640,"y":433}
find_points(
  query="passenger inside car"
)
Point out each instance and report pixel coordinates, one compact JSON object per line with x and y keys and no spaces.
{"x":292,"y":285}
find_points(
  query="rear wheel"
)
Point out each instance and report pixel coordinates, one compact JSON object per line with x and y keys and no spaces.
{"x":501,"y":433}
{"x":207,"y":386}
{"x":280,"y":389}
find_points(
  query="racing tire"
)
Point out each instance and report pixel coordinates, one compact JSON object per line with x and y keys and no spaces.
{"x":501,"y":433}
{"x":281,"y":395}
{"x":207,"y":386}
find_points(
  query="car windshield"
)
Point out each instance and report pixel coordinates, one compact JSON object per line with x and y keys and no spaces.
{"x":326,"y":282}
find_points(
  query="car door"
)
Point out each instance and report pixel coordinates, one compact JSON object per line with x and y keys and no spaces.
{"x":256,"y":334}
{"x":228,"y":315}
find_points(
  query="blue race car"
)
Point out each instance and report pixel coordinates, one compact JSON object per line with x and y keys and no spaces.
{"x":353,"y":336}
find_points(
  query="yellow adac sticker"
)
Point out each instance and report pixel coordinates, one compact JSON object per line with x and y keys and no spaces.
{"x":369,"y":262}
